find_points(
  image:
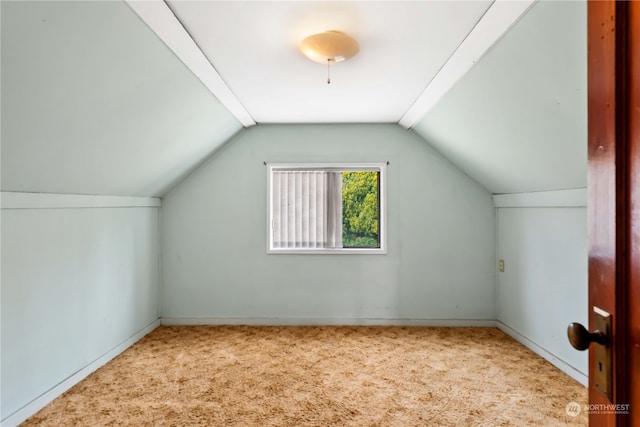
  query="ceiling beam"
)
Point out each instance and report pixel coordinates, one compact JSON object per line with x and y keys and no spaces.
{"x":494,"y":24}
{"x":159,"y":17}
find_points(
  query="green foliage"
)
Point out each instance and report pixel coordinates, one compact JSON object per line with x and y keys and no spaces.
{"x":360,"y":209}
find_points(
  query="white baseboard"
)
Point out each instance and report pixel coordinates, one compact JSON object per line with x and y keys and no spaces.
{"x":43,"y":400}
{"x":579,"y":376}
{"x":324,"y":321}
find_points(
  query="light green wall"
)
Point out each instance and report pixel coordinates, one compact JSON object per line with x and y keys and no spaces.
{"x":76,"y":282}
{"x":94,"y":103}
{"x":544,"y":286}
{"x":441,"y":236}
{"x":517,"y":121}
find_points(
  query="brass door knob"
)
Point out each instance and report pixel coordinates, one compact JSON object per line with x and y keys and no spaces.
{"x":580,"y":337}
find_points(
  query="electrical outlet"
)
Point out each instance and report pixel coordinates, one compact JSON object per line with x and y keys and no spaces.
{"x":501,"y":266}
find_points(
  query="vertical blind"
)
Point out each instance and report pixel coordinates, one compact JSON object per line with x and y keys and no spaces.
{"x":307,"y":209}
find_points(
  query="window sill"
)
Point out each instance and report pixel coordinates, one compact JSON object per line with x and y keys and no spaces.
{"x":317,"y":251}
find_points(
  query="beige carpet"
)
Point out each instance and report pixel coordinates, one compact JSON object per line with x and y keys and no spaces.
{"x":320,"y":376}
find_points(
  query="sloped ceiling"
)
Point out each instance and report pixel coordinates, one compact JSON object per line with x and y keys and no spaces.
{"x":94,"y":103}
{"x":411,"y":53}
{"x":254,"y":48}
{"x":517,"y":121}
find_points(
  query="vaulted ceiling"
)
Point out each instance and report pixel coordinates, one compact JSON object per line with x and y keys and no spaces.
{"x":97,"y":100}
{"x":411,"y":53}
{"x":254,"y":48}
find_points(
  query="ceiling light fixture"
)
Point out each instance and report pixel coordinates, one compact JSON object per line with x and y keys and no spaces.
{"x":330,"y":46}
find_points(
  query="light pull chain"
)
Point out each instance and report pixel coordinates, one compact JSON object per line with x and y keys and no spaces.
{"x":328,"y":71}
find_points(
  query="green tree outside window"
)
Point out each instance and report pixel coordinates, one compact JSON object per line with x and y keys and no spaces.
{"x":360,"y":209}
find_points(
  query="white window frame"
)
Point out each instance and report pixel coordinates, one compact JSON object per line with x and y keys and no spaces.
{"x":355,"y":167}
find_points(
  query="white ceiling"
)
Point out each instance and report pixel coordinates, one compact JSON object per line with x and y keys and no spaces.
{"x":253,"y":47}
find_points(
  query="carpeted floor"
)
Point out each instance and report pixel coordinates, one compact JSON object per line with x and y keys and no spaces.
{"x":320,"y":376}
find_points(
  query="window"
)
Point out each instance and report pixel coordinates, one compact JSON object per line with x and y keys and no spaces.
{"x":326,"y":208}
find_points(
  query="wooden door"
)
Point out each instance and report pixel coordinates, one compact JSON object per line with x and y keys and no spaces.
{"x":633,"y":366}
{"x":614,"y":201}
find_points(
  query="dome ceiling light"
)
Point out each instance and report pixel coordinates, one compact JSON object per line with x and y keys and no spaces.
{"x":329,"y":46}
